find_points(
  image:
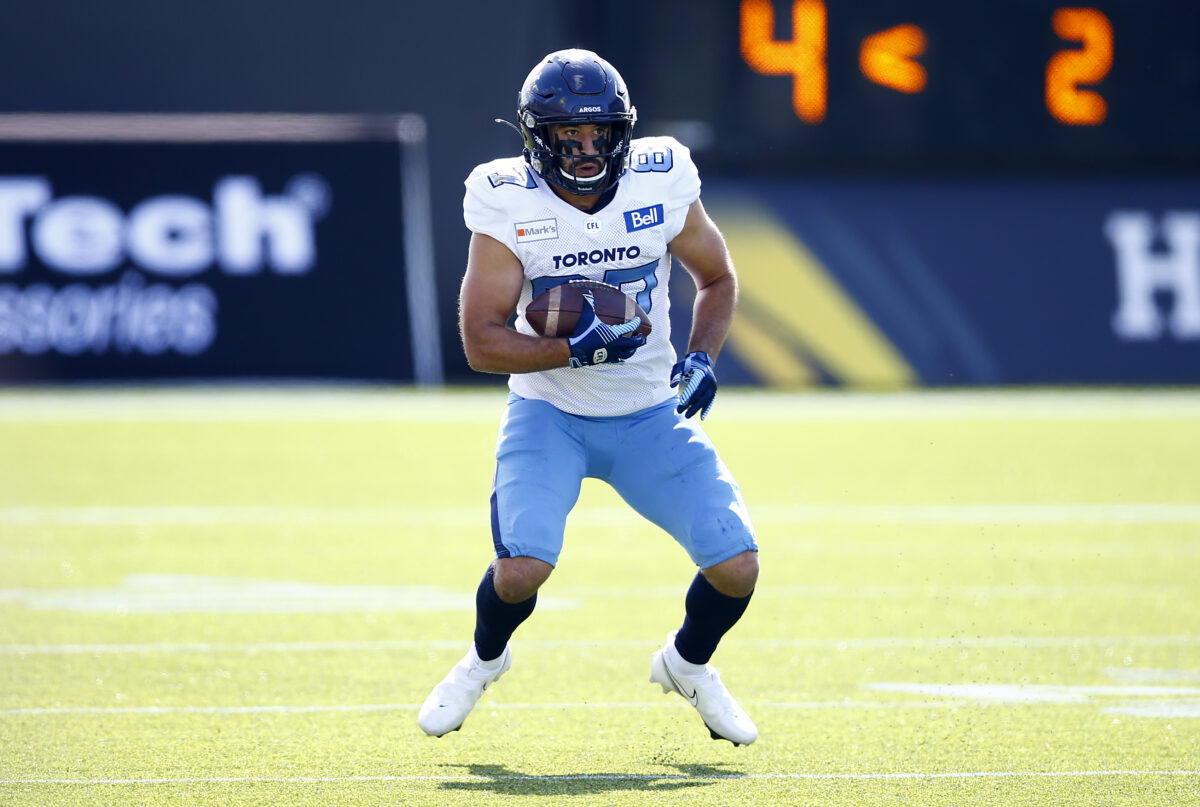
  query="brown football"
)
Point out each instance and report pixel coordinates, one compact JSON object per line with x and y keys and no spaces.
{"x":555,"y":312}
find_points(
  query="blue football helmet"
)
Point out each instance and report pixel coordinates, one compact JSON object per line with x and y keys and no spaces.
{"x":575,"y":86}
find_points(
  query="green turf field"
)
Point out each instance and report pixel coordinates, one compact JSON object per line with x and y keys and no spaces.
{"x":241,"y":597}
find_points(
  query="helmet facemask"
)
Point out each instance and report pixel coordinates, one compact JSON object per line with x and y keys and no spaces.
{"x":558,"y":160}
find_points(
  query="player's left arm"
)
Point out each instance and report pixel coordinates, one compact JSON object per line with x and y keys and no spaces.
{"x":703,"y":252}
{"x":701,"y":249}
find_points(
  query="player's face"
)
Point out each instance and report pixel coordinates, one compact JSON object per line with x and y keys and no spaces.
{"x":578,"y":140}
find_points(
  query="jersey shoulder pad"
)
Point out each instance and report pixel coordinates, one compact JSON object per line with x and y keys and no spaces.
{"x":667,"y":164}
{"x":506,"y":172}
{"x":490,"y":196}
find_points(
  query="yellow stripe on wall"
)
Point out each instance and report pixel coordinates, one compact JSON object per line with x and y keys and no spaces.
{"x":804,"y":306}
{"x":765,"y":355}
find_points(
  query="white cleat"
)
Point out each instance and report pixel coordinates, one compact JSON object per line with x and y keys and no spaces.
{"x":725,"y":719}
{"x":453,"y":699}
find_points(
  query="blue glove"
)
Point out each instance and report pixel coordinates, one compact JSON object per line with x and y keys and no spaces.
{"x":699,"y":382}
{"x":596,"y":342}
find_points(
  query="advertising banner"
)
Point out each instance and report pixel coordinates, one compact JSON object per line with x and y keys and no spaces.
{"x":964,"y":281}
{"x":189,"y":247}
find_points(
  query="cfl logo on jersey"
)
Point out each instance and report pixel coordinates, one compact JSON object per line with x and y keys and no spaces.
{"x":540,"y":230}
{"x":592,"y":226}
{"x":643,"y":218}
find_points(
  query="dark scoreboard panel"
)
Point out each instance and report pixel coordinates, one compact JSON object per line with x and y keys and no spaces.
{"x":1036,"y":85}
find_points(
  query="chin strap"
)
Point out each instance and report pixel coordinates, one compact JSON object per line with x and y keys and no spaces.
{"x":585,"y":180}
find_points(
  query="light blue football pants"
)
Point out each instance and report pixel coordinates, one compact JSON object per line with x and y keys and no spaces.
{"x":662,"y":464}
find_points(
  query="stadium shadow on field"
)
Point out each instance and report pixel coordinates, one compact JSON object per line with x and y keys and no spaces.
{"x":502,"y":779}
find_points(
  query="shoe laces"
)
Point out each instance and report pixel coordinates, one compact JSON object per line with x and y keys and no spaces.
{"x":711,"y":681}
{"x":465,"y":677}
{"x":718,"y":694}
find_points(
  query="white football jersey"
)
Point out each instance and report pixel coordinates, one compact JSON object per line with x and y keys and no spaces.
{"x":624,"y":244}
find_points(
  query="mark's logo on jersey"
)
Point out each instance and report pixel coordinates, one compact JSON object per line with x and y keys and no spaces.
{"x":540,"y":230}
{"x":643,"y":217}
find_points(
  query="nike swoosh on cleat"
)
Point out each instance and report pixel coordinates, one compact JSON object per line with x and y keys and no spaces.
{"x":679,"y":687}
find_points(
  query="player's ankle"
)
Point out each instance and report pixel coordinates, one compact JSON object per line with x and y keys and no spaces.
{"x":681,"y":665}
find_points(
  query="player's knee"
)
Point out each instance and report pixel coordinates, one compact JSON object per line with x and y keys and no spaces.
{"x":517,"y":579}
{"x":735,"y":577}
{"x":722,"y":533}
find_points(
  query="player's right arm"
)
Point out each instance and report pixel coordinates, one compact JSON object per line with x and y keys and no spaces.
{"x":490,"y":290}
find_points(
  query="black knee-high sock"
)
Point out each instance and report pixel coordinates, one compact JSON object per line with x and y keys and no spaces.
{"x":709,"y":615}
{"x":495,"y":619}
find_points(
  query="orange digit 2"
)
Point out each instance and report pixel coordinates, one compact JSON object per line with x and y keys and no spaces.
{"x":1067,"y":69}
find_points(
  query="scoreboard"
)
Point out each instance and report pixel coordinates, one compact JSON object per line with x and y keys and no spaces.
{"x":1027,"y":85}
{"x":891,"y":58}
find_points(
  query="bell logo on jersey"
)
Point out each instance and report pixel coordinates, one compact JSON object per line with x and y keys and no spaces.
{"x":540,"y":230}
{"x":643,"y":217}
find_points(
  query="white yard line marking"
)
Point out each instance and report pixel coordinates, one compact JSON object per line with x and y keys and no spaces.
{"x":458,"y":645}
{"x":927,"y":591}
{"x":1164,"y":711}
{"x":250,"y":405}
{"x":606,"y":777}
{"x":315,"y":404}
{"x":202,"y":516}
{"x":971,"y":514}
{"x":238,"y":647}
{"x":1139,"y":700}
{"x":966,"y":514}
{"x":1031,"y":693}
{"x":200,"y":594}
{"x":1152,"y":675}
{"x":401,"y":707}
{"x":196,"y":594}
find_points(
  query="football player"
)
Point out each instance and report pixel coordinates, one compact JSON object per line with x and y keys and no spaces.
{"x":587,"y":201}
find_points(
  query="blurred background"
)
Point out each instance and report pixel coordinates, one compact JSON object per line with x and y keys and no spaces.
{"x":915,"y":192}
